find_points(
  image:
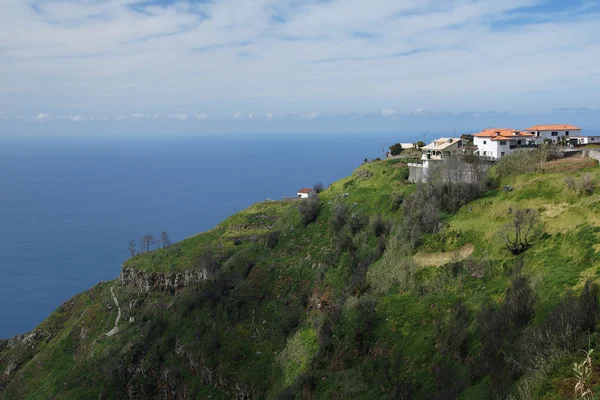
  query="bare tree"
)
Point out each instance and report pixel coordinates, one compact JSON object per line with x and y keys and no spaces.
{"x":164,"y":238}
{"x":147,"y":241}
{"x":208,"y":263}
{"x":519,"y":232}
{"x":132,"y":248}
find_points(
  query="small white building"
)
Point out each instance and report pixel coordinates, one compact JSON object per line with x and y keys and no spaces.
{"x":306,"y":193}
{"x":498,"y":142}
{"x":553,"y":132}
{"x":433,"y":154}
{"x":585,"y":139}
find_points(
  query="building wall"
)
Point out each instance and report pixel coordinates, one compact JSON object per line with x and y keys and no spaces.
{"x":588,"y":139}
{"x":560,"y":133}
{"x":490,"y":148}
{"x":307,"y":195}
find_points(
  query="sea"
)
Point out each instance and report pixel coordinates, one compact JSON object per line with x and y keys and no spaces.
{"x":69,"y":205}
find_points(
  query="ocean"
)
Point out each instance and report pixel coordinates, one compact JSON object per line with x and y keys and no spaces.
{"x":69,"y":205}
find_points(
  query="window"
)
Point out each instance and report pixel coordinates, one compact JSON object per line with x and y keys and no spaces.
{"x":554,"y":133}
{"x":485,"y":153}
{"x":503,"y":142}
{"x":518,"y":142}
{"x":485,"y":142}
{"x":567,"y":133}
{"x":502,"y":154}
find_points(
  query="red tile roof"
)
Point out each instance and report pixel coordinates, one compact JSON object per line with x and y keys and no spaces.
{"x":557,"y":127}
{"x":502,"y":134}
{"x":305,"y":190}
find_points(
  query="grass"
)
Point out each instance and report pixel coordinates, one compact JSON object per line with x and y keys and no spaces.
{"x":258,"y":333}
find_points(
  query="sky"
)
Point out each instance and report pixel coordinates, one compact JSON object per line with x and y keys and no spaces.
{"x":290,"y":65}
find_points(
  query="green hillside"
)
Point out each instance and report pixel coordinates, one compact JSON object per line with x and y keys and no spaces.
{"x":381,"y":289}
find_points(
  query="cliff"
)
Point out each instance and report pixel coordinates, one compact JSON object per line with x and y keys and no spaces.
{"x":367,"y":293}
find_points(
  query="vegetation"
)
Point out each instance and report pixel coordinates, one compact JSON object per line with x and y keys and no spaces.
{"x":376,"y":289}
{"x":396,"y":149}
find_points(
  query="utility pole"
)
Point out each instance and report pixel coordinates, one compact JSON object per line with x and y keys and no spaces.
{"x":265,"y":194}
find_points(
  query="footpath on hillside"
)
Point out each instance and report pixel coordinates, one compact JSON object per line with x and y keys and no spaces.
{"x":115,"y":330}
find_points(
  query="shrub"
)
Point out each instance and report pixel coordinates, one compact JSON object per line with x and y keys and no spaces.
{"x":339,"y":217}
{"x":379,"y":226}
{"x":583,"y":186}
{"x":517,"y":234}
{"x":396,"y":149}
{"x":586,"y":184}
{"x":397,"y":200}
{"x":272,"y":239}
{"x":357,"y":222}
{"x":309,"y":210}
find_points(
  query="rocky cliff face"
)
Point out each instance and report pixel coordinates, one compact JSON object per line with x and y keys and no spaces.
{"x":161,"y":281}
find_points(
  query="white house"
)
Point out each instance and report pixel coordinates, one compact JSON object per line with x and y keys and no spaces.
{"x":585,"y":139}
{"x":431,"y":155}
{"x":498,"y":142}
{"x":553,"y":132}
{"x":306,"y":193}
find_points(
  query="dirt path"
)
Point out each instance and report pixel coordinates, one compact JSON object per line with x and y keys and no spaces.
{"x":115,"y":330}
{"x":442,"y":258}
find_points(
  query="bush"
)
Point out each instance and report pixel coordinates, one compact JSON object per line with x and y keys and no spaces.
{"x":583,"y":186}
{"x":397,"y":200}
{"x":339,"y":217}
{"x":517,"y":234}
{"x":357,"y":222}
{"x":379,"y":226}
{"x":396,"y":149}
{"x":272,"y":239}
{"x":309,"y":210}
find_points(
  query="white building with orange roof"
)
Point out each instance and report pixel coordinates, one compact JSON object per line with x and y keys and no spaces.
{"x":499,"y":142}
{"x":553,"y":132}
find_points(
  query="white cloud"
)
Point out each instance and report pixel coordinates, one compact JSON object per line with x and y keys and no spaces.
{"x":237,"y":115}
{"x":42,"y":117}
{"x":179,"y":117}
{"x":386,"y":112}
{"x":201,"y":116}
{"x":284,"y":56}
{"x":269,"y":116}
{"x":120,"y":117}
{"x":77,"y":118}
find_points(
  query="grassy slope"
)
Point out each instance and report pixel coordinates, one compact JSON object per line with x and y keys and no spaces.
{"x":263,"y":333}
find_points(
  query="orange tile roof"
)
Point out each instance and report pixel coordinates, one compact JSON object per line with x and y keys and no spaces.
{"x":556,"y":127}
{"x":305,"y":190}
{"x":502,"y":133}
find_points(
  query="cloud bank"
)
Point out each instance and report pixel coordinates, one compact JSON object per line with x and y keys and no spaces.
{"x":259,"y":59}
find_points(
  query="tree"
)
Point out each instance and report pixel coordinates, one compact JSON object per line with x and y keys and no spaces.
{"x":208,"y":263}
{"x":519,"y":232}
{"x":147,"y":241}
{"x":396,"y":149}
{"x":164,"y":238}
{"x":318,"y":187}
{"x":309,"y":210}
{"x":132,"y":248}
{"x":420,"y":144}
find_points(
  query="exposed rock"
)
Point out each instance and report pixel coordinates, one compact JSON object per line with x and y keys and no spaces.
{"x":161,"y":281}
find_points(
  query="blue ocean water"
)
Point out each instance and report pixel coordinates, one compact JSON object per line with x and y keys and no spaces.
{"x":69,"y":205}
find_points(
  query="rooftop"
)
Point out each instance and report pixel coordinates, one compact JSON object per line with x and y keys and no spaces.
{"x":305,"y":190}
{"x":441,"y":144}
{"x":557,"y":127}
{"x":503,"y":134}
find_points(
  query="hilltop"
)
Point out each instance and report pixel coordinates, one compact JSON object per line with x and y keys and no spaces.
{"x":380,"y":289}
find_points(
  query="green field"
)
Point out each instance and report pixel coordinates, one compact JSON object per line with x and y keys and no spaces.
{"x":343,"y":307}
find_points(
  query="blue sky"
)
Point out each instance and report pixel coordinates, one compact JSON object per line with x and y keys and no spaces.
{"x":315,"y":65}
